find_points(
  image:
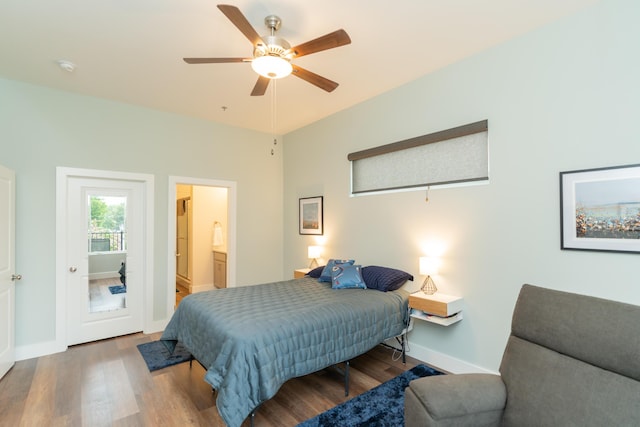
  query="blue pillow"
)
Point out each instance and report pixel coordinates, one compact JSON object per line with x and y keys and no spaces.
{"x":383,"y":278}
{"x":347,"y":277}
{"x":326,"y":272}
{"x":316,"y":272}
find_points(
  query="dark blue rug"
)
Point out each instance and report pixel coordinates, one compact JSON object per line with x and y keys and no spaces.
{"x":382,"y":406}
{"x":117,"y":289}
{"x":157,"y":356}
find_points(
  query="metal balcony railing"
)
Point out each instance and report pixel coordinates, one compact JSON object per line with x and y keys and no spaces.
{"x":107,"y":241}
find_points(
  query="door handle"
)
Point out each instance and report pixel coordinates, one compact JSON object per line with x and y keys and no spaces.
{"x":73,"y":269}
{"x":15,"y":277}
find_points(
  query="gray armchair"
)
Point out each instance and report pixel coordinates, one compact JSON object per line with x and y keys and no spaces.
{"x":571,"y":360}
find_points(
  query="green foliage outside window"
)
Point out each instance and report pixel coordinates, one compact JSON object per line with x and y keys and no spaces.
{"x":107,"y":226}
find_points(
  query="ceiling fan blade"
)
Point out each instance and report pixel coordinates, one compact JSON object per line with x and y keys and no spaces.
{"x":237,"y":18}
{"x":328,"y":41}
{"x":314,"y":79}
{"x":214,"y":60}
{"x":261,"y":86}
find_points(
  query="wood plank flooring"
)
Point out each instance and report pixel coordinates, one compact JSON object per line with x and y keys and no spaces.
{"x":107,"y":383}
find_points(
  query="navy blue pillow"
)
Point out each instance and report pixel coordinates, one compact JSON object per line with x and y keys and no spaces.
{"x":326,"y":272}
{"x":347,"y":277}
{"x":316,"y":272}
{"x":383,"y":278}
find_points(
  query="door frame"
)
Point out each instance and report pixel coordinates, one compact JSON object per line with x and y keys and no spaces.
{"x":231,"y":187}
{"x":62,"y":175}
{"x":6,"y":276}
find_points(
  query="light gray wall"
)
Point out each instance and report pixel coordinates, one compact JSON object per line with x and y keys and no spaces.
{"x":565,"y":97}
{"x":42,"y":128}
{"x":106,"y":264}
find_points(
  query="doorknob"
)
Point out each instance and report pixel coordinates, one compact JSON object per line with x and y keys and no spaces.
{"x":73,"y":269}
{"x":15,"y":277}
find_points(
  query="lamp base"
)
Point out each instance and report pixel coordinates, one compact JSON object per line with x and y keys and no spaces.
{"x":428,"y":286}
{"x":314,"y":264}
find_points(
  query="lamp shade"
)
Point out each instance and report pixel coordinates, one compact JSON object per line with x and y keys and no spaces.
{"x":313,"y":251}
{"x":428,"y":266}
{"x":272,"y":67}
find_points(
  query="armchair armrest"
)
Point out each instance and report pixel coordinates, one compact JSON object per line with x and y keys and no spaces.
{"x":455,"y":400}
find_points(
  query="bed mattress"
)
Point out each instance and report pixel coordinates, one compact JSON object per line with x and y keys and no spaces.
{"x":252,"y":339}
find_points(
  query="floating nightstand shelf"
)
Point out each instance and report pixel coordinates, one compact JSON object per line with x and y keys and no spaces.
{"x":301,"y":272}
{"x":437,"y":308}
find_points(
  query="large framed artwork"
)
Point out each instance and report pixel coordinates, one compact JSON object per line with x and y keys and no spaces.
{"x":310,"y":215}
{"x":600,"y":209}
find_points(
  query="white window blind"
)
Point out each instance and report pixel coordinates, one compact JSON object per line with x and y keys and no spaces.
{"x":452,"y":156}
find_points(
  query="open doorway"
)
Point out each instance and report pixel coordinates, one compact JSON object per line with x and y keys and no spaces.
{"x":201,"y":236}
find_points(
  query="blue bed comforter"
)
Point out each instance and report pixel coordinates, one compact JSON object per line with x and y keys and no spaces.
{"x":252,"y":339}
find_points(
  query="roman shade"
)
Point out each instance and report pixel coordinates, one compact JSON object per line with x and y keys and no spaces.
{"x":453,"y":156}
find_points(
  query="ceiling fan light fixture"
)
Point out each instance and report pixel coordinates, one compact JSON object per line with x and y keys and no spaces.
{"x":271,"y":67}
{"x":272,"y":55}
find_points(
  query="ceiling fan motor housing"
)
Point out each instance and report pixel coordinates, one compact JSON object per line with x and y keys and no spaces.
{"x":275,"y":46}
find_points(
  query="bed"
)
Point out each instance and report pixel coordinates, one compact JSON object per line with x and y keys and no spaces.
{"x":252,"y":339}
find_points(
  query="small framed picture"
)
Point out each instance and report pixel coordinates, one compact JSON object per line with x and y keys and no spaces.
{"x":600,"y":209}
{"x":310,"y":215}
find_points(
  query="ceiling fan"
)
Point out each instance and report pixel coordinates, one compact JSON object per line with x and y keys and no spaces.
{"x":272,"y":55}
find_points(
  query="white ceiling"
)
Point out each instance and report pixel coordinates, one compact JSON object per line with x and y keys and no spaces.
{"x":131,"y":50}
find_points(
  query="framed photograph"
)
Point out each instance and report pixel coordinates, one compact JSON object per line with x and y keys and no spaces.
{"x":310,"y":215}
{"x":600,"y":209}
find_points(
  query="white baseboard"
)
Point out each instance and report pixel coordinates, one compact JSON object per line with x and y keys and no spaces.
{"x":30,"y":351}
{"x":46,"y":348}
{"x":443,"y":361}
{"x":104,"y":275}
{"x":155,"y":326}
{"x":202,"y":288}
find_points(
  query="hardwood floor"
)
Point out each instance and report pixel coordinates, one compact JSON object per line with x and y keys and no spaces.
{"x":107,"y":383}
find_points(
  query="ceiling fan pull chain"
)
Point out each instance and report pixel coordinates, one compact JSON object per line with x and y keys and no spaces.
{"x":273,"y":117}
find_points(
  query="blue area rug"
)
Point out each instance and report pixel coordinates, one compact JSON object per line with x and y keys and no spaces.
{"x":157,"y":356}
{"x":117,"y":289}
{"x":382,"y":406}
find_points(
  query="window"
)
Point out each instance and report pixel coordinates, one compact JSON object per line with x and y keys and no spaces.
{"x":107,"y":224}
{"x":453,"y":156}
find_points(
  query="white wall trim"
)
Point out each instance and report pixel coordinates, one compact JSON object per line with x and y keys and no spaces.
{"x":445,"y":362}
{"x":62,"y":175}
{"x":104,"y":275}
{"x":202,"y":288}
{"x":232,"y":197}
{"x":31,"y":351}
{"x":155,"y":326}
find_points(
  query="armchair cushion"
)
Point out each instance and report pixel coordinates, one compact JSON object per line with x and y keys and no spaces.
{"x":546,"y":388}
{"x":456,"y":400}
{"x":571,"y":359}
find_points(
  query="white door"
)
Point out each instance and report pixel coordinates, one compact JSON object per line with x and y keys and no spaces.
{"x":106,"y":302}
{"x":7,"y":267}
